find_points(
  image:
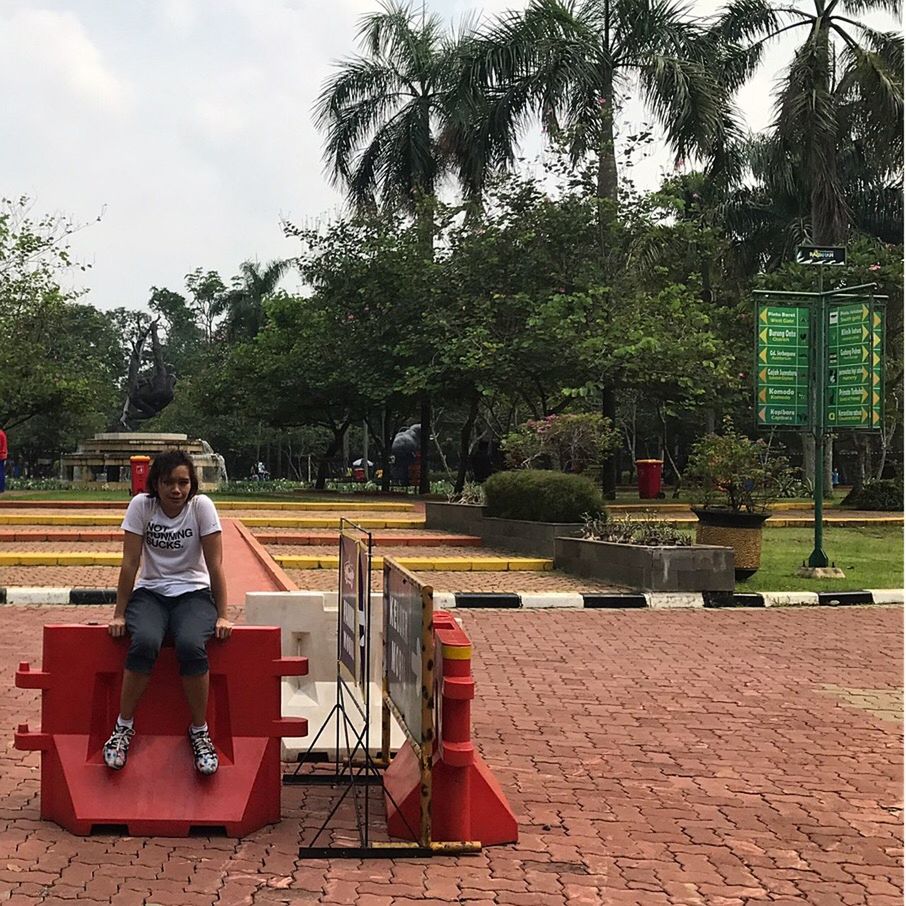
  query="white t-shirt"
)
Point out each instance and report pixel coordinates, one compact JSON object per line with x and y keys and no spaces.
{"x":172,"y":558}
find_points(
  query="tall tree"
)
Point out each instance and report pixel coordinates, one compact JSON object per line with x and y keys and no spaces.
{"x":245,"y":299}
{"x":574,"y":64}
{"x":839,"y":100}
{"x":208,"y":299}
{"x":388,"y":113}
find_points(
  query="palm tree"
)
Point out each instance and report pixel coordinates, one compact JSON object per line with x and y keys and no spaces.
{"x":389,"y":114}
{"x":839,"y":101}
{"x":574,"y":64}
{"x":244,"y":302}
{"x":386,"y":113}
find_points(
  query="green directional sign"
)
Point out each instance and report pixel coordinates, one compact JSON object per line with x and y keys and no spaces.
{"x":848,"y":392}
{"x":878,"y":326}
{"x":782,"y":365}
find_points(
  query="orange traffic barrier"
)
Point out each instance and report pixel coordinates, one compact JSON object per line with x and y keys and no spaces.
{"x":467,"y":803}
{"x":159,"y":792}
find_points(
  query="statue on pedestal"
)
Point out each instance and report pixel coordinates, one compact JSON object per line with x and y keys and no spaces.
{"x":148,"y":393}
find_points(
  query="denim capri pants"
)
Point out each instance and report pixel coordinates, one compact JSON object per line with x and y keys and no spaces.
{"x":190,"y":618}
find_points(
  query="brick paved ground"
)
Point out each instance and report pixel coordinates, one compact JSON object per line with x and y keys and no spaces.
{"x":392,"y":550}
{"x":652,"y":757}
{"x":467,"y":582}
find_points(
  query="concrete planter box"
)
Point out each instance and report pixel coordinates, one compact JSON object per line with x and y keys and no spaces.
{"x":536,"y":539}
{"x":696,"y":568}
{"x":464,"y":518}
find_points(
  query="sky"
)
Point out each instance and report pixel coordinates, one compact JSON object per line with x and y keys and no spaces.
{"x":186,"y":127}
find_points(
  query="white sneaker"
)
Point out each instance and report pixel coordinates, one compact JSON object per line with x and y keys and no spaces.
{"x":203,"y":750}
{"x":116,"y":748}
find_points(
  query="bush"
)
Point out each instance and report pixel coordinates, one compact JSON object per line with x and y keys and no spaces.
{"x":645,"y":529}
{"x":246,"y":488}
{"x":541,"y":496}
{"x":568,"y":443}
{"x":472,"y":493}
{"x":39,"y":484}
{"x":735,"y":472}
{"x":883,"y":494}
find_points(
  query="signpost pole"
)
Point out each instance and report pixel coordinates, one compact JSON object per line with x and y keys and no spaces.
{"x":818,"y":558}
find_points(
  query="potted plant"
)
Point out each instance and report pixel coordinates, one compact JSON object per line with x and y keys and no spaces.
{"x":738,"y":478}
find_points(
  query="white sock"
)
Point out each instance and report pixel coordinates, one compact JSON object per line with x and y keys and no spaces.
{"x":125,"y":723}
{"x":202,"y":729}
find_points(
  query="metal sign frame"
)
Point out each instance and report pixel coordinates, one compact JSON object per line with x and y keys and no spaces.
{"x":819,"y":303}
{"x":368,"y":771}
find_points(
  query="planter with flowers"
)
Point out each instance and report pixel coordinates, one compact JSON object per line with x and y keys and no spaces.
{"x":738,"y":478}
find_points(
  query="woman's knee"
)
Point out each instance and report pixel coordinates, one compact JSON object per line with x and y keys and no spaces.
{"x":144,"y":648}
{"x":191,"y":655}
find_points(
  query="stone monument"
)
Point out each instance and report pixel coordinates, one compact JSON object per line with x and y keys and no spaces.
{"x":105,"y":459}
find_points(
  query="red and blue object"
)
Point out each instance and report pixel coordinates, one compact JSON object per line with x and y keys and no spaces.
{"x":159,"y":792}
{"x":467,"y":802}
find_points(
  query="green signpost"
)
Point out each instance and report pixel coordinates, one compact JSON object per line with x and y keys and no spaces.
{"x":849,"y":375}
{"x":878,"y":330}
{"x":782,"y":367}
{"x":819,"y":366}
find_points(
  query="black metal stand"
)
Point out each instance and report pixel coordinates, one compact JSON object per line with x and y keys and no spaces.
{"x":349,"y":772}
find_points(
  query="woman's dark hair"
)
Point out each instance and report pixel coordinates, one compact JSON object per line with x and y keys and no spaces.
{"x":164,"y":464}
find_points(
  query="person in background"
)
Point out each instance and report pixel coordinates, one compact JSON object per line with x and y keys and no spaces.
{"x":174,"y":534}
{"x":4,"y":452}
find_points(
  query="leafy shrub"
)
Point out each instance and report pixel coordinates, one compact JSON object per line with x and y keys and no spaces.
{"x":258,"y":488}
{"x":472,"y":493}
{"x":645,"y":529}
{"x":567,"y":443}
{"x":541,"y":496}
{"x":736,"y":472}
{"x":38,"y":484}
{"x":883,"y":494}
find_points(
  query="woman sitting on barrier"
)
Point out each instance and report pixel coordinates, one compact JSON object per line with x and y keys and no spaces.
{"x":174,"y":533}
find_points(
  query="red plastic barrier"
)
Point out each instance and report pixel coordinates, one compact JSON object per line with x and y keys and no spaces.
{"x":159,"y":791}
{"x":467,"y":803}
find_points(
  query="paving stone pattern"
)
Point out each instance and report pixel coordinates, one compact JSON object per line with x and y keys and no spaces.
{"x":725,"y":758}
{"x":466,"y":582}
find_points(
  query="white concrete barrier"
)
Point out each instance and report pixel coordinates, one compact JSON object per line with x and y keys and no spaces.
{"x":308,"y":628}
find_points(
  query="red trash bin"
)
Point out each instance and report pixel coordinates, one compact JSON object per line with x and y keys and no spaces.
{"x":649,"y":477}
{"x":139,"y":466}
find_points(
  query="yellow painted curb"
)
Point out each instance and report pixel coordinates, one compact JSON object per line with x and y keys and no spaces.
{"x":35,"y":558}
{"x":54,"y":519}
{"x":330,"y":522}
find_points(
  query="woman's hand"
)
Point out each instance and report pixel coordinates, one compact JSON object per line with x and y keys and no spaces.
{"x":223,"y":628}
{"x":117,"y":627}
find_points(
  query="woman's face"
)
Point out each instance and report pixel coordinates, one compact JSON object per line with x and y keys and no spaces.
{"x":173,"y":489}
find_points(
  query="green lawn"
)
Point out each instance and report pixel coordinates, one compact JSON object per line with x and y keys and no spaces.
{"x":871,"y":558}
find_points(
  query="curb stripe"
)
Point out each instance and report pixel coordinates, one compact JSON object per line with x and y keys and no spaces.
{"x":488,"y":599}
{"x":529,"y":600}
{"x":92,"y":596}
{"x":844,"y":598}
{"x":614,"y":601}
